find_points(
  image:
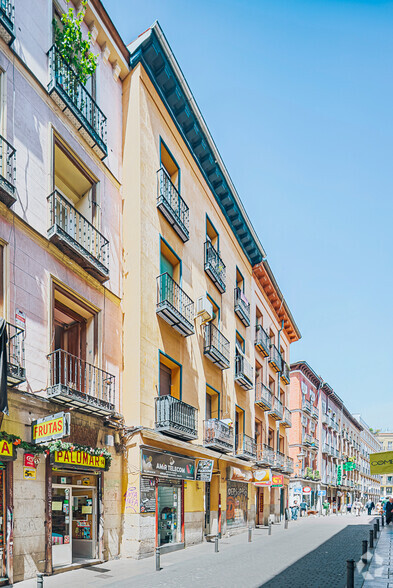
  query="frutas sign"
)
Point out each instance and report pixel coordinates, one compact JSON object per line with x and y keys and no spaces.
{"x":381,"y":463}
{"x":55,"y":426}
{"x":79,"y":460}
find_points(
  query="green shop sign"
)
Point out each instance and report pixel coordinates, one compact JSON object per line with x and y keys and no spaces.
{"x":339,"y":475}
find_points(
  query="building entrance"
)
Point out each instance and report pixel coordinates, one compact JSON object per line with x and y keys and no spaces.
{"x":169,"y":513}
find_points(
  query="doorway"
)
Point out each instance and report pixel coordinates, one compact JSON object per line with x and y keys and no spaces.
{"x":260,"y":505}
{"x":169,"y":513}
{"x":207,"y":508}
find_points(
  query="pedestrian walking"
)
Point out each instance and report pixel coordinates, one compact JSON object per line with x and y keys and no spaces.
{"x":303,"y":508}
{"x":357,"y":505}
{"x":369,"y":505}
{"x":326,"y":506}
{"x":389,"y":509}
{"x":294,"y":512}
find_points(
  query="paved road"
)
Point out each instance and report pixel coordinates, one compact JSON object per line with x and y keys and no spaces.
{"x":311,"y":553}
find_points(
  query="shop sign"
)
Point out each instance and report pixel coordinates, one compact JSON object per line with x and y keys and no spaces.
{"x":20,"y":318}
{"x":147,"y":495}
{"x":277,"y":480}
{"x":239,"y":475}
{"x":306,"y":490}
{"x":322,"y":492}
{"x":263,"y":477}
{"x":349,"y":465}
{"x":28,"y":460}
{"x":168,"y":465}
{"x":78,"y":460}
{"x":7,"y":451}
{"x":55,"y":426}
{"x":297,"y":490}
{"x":29,"y":473}
{"x":381,"y":463}
{"x":204,"y":470}
{"x":339,"y":475}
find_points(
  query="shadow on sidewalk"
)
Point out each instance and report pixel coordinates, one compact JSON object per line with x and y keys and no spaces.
{"x":326,"y":566}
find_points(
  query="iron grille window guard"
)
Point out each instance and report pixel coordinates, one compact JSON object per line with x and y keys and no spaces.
{"x":242,"y":306}
{"x":219,"y":434}
{"x":172,"y":204}
{"x":262,"y":340}
{"x":214,"y":266}
{"x":170,"y":293}
{"x":176,"y":417}
{"x":265,"y":454}
{"x":275,"y":357}
{"x":216,"y":345}
{"x":246,"y":446}
{"x":244,"y":372}
{"x":263,"y":395}
{"x":16,"y":372}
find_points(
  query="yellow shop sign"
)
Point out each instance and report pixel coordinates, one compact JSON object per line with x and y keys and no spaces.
{"x":381,"y":463}
{"x":80,"y":460}
{"x":7,"y":451}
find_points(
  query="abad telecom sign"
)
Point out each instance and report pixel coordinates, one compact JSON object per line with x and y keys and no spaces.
{"x":381,"y":463}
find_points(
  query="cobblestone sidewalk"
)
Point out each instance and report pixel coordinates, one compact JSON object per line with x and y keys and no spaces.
{"x":380,"y":572}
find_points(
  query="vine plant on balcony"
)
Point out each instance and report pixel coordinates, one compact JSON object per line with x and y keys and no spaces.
{"x":73,"y":48}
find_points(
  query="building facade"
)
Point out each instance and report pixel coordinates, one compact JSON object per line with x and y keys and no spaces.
{"x":206,"y":331}
{"x":370,"y":485}
{"x":60,"y":293}
{"x":385,"y":439}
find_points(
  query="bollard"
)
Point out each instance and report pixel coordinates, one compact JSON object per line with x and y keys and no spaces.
{"x":286,"y":524}
{"x":40,"y":580}
{"x":382,"y":521}
{"x":371,"y":541}
{"x":158,"y":566}
{"x":378,"y":528}
{"x":216,"y":544}
{"x":350,"y":573}
{"x":364,"y":551}
{"x":270,"y":528}
{"x":249,"y":534}
{"x":375,"y":530}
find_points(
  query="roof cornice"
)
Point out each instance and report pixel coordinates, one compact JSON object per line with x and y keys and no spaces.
{"x":304,"y":368}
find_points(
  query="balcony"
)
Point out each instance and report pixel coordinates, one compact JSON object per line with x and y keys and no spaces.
{"x":7,"y":21}
{"x":176,"y":418}
{"x":174,"y":306}
{"x":242,"y":307}
{"x":246,"y":448}
{"x":285,"y":377}
{"x":288,"y":466}
{"x":262,"y":341}
{"x":325,"y":419}
{"x":275,"y":358}
{"x":315,"y":443}
{"x":279,"y":462}
{"x":277,"y":411}
{"x":214,"y":267}
{"x":218,"y":435}
{"x":172,"y":205}
{"x":244,"y":373}
{"x":265,"y":455}
{"x":78,"y":105}
{"x":306,"y":405}
{"x":307,"y":440}
{"x":75,"y":383}
{"x":16,"y":371}
{"x":216,"y":346}
{"x":7,"y":171}
{"x":287,"y":419}
{"x":326,"y":448}
{"x":73,"y":234}
{"x":263,"y":396}
{"x":314,"y":412}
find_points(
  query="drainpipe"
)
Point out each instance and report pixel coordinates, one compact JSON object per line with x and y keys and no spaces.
{"x":278,"y":393}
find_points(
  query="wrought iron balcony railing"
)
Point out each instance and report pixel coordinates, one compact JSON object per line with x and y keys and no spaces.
{"x":275,"y":358}
{"x":285,"y":377}
{"x":78,"y":105}
{"x":277,"y":411}
{"x":216,"y":346}
{"x":214,"y":267}
{"x":176,"y":418}
{"x":287,"y":418}
{"x":306,"y":405}
{"x":307,"y":439}
{"x":242,"y":307}
{"x":262,"y":341}
{"x":218,"y":435}
{"x":263,"y":396}
{"x":245,"y":447}
{"x":314,"y":412}
{"x":174,"y":306}
{"x":279,"y":462}
{"x":77,"y":237}
{"x":265,"y":455}
{"x":244,"y":372}
{"x":325,"y":419}
{"x":289,"y":467}
{"x":325,"y":448}
{"x":7,"y":172}
{"x":7,"y":21}
{"x":76,"y":383}
{"x":16,"y":371}
{"x":172,"y":205}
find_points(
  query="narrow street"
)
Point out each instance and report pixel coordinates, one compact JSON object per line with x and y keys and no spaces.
{"x":311,"y":553}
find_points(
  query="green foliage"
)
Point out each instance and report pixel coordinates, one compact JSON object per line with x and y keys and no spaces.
{"x":73,"y":48}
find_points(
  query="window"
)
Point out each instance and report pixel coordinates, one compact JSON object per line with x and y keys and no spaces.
{"x":212,"y":403}
{"x":212,"y":235}
{"x":272,"y":386}
{"x":2,"y":277}
{"x":239,"y":427}
{"x":389,"y":445}
{"x":258,"y":432}
{"x":270,"y":439}
{"x":169,"y":262}
{"x":169,"y":165}
{"x":216,"y":311}
{"x":239,"y":280}
{"x":282,"y":444}
{"x":169,"y":376}
{"x":258,"y":317}
{"x":240,"y":344}
{"x":272,"y":337}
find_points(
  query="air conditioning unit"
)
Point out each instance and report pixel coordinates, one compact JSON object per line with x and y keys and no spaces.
{"x":204,"y":309}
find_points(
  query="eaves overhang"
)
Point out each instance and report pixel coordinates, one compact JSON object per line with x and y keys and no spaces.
{"x":152,"y":50}
{"x":307,"y":370}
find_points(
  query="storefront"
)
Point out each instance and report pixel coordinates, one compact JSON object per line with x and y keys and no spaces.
{"x":7,"y":456}
{"x":237,"y":497}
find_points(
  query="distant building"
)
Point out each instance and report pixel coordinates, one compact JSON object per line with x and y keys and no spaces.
{"x":386,"y":440}
{"x":370,"y":485}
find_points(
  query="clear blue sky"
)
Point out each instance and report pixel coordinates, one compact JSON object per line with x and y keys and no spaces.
{"x":298,"y":96}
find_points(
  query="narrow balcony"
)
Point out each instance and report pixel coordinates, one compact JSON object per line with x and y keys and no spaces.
{"x":214,"y":267}
{"x":16,"y":371}
{"x":277,"y":411}
{"x":314,"y":412}
{"x":174,"y":306}
{"x":306,"y":406}
{"x":263,"y":396}
{"x":325,"y":448}
{"x":176,"y":418}
{"x":275,"y":358}
{"x":78,"y":105}
{"x":307,"y":440}
{"x":71,"y":232}
{"x":315,"y":442}
{"x":218,"y":436}
{"x":285,"y":373}
{"x":244,"y":373}
{"x":216,"y":347}
{"x":242,"y":307}
{"x":262,"y":341}
{"x":172,"y":205}
{"x":265,"y":455}
{"x":325,"y":419}
{"x":279,"y":462}
{"x":7,"y":172}
{"x":289,"y":467}
{"x":246,"y":448}
{"x":7,"y":21}
{"x":75,"y":383}
{"x":287,"y":418}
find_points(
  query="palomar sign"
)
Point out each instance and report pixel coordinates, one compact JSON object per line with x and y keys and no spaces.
{"x":78,"y":460}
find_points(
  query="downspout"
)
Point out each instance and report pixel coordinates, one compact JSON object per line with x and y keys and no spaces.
{"x":278,"y":396}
